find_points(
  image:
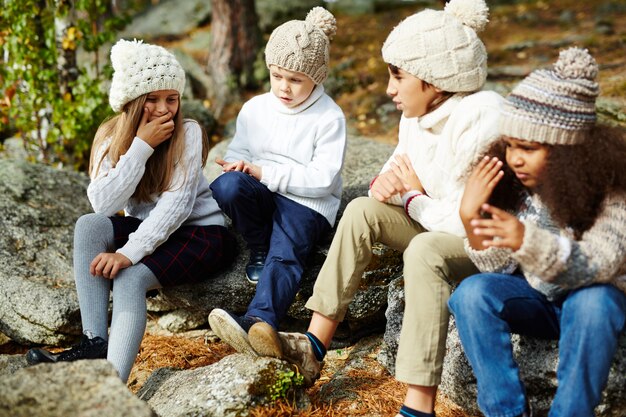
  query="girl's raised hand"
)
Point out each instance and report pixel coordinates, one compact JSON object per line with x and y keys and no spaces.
{"x":403,"y":168}
{"x":156,"y":131}
{"x":479,"y":187}
{"x":107,"y":264}
{"x":503,"y":230}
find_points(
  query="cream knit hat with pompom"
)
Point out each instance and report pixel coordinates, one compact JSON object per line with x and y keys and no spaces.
{"x":555,"y":107}
{"x":140,"y":68}
{"x":302,"y":45}
{"x":441,"y":47}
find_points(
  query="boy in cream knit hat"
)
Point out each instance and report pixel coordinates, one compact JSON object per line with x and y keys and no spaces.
{"x":281,"y":182}
{"x":436,"y":65}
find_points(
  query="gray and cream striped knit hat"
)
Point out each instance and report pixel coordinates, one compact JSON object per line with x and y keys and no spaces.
{"x":556,"y":107}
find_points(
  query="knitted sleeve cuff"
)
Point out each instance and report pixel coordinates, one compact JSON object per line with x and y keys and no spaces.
{"x":491,"y":259}
{"x":539,"y":253}
{"x":132,"y":252}
{"x":407,"y":198}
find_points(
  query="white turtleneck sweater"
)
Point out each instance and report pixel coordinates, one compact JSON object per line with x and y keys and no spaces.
{"x":300,"y":150}
{"x":441,"y":145}
{"x":188,"y":202}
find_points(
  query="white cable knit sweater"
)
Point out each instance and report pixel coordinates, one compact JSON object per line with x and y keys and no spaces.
{"x":441,"y":145}
{"x":301,"y":150}
{"x":189,"y":201}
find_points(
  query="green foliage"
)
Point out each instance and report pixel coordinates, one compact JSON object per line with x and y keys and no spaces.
{"x":56,"y":115}
{"x":285,"y":382}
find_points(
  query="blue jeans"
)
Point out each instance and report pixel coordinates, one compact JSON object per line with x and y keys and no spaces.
{"x":587,"y":322}
{"x":270,"y":221}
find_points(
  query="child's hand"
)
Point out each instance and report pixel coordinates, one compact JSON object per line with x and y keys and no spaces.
{"x":405,"y":172}
{"x":503,"y":230}
{"x":479,"y":187}
{"x":386,"y":186}
{"x":230,"y":166}
{"x":157,"y":131}
{"x":253,"y":170}
{"x":107,"y":264}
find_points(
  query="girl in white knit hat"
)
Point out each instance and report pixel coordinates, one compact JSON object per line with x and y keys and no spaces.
{"x":437,"y":64}
{"x":147,"y":160}
{"x":281,"y":182}
{"x":558,"y":269}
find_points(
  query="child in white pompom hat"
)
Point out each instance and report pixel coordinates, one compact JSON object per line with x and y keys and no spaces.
{"x":281,"y":183}
{"x":147,"y":161}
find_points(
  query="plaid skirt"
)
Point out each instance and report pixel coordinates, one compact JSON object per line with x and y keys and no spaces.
{"x":190,"y":255}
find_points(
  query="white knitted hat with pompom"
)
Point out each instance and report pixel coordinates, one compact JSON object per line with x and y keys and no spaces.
{"x":441,"y":46}
{"x":556,"y":107}
{"x":140,"y":68}
{"x":302,"y":45}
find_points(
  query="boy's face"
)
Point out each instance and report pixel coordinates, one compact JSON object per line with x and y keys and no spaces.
{"x":409,"y":93}
{"x":291,"y":87}
{"x":527,"y":160}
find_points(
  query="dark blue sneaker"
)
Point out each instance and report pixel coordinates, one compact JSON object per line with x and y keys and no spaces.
{"x":255,"y":265}
{"x":233,"y":329}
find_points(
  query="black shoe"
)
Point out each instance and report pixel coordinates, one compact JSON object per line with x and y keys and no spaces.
{"x":95,"y":348}
{"x":255,"y":265}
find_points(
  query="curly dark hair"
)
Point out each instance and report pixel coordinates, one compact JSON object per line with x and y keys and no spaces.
{"x":577,"y":178}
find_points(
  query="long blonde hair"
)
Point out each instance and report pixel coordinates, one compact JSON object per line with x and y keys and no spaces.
{"x":122,"y":130}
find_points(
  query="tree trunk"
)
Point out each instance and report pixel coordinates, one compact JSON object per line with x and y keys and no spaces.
{"x":65,"y":35}
{"x":234,"y":44}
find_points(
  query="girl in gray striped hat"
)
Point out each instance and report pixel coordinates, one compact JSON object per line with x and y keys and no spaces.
{"x":556,"y":268}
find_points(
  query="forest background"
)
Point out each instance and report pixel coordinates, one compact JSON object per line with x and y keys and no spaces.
{"x":54,"y":76}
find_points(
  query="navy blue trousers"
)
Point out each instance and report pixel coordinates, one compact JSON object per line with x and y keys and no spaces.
{"x":286,"y":229}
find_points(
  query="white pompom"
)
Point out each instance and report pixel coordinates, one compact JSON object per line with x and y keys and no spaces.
{"x":576,"y":63}
{"x":323,"y":19}
{"x":123,"y":51}
{"x":472,"y":13}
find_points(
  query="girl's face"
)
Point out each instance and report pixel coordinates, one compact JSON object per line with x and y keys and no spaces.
{"x":162,"y":102}
{"x":291,"y":87}
{"x":527,"y":159}
{"x":410,"y":94}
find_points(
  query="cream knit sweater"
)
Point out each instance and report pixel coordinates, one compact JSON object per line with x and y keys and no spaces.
{"x":554,"y":262}
{"x":189,"y":201}
{"x":300,"y":150}
{"x":441,"y":145}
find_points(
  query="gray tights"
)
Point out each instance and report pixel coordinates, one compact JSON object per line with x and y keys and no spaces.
{"x":93,"y":235}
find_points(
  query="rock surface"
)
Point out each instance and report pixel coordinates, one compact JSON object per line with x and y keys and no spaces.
{"x":38,"y":209}
{"x":227,"y":388}
{"x":81,"y":388}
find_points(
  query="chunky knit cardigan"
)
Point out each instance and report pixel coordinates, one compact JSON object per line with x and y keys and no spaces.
{"x":554,"y":262}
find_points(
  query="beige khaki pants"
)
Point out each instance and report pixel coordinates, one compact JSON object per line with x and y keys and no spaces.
{"x":432,"y":261}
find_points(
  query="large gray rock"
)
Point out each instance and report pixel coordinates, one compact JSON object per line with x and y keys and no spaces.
{"x":38,"y":209}
{"x":169,"y":18}
{"x":69,"y":389}
{"x":227,"y":388}
{"x":538,"y":361}
{"x":10,"y":364}
{"x":393,"y":314}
